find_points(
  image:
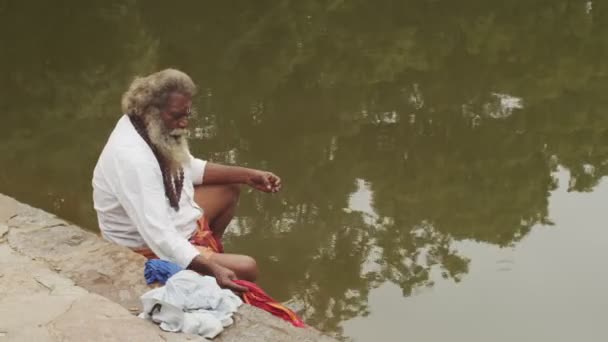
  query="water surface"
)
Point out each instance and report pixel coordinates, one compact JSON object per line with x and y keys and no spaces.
{"x":443,"y":161}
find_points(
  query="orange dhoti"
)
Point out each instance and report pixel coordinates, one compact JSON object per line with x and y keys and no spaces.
{"x":202,"y":238}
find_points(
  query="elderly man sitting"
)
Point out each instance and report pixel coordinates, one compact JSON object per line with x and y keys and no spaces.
{"x":154,"y":197}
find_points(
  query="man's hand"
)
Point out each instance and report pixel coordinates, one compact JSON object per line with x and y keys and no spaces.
{"x":264,"y":181}
{"x":225,"y":278}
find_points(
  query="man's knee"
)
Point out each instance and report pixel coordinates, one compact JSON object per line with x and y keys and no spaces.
{"x":234,"y":192}
{"x":249,"y":268}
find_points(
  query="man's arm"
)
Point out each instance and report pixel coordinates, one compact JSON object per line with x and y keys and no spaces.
{"x":224,"y":174}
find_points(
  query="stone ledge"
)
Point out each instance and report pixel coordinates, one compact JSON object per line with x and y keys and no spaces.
{"x":37,"y":304}
{"x":109,"y":274}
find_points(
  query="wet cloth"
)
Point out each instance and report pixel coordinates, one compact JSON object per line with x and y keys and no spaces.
{"x":161,"y":271}
{"x":190,"y":303}
{"x":258,"y":298}
{"x":158,"y":271}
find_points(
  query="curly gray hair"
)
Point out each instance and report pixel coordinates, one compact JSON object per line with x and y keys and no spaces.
{"x":150,"y":93}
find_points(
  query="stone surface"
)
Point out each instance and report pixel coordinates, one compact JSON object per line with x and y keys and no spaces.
{"x":254,"y":325}
{"x":61,"y":283}
{"x":106,"y":269}
{"x":37,"y":304}
{"x":8,"y":208}
{"x":3,"y":231}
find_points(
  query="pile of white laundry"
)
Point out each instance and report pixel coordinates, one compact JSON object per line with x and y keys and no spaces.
{"x":191,"y":303}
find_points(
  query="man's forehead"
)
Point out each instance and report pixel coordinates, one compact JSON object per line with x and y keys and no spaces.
{"x":179,"y":100}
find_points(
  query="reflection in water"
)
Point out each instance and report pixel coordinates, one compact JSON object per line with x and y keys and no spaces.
{"x":400,"y":128}
{"x":533,"y":291}
{"x":361,"y":201}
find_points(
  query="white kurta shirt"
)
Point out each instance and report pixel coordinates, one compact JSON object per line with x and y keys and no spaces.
{"x":129,"y":197}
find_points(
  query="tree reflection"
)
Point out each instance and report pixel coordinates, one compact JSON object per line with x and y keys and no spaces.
{"x":454,"y":115}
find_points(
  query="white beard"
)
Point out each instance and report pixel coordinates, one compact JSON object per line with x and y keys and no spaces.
{"x":172,"y":145}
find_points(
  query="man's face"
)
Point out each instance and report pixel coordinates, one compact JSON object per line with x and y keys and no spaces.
{"x":176,"y":114}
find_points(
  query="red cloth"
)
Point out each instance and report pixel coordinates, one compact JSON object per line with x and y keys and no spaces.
{"x":258,"y":298}
{"x":203,"y":237}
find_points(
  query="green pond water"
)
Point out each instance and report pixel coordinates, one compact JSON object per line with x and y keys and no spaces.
{"x":443,"y":161}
